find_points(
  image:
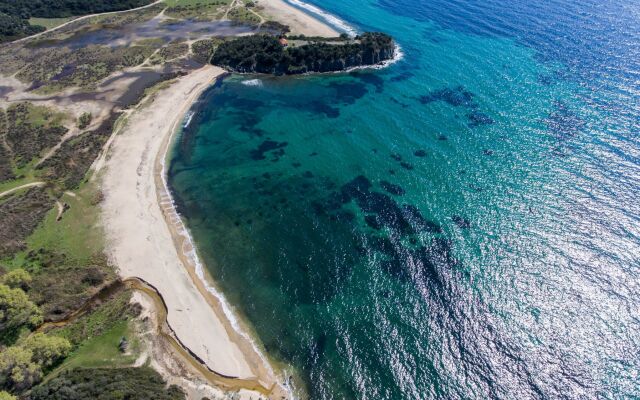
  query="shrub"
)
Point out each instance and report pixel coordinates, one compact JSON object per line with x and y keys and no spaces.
{"x":18,"y":278}
{"x":22,"y":365}
{"x":84,"y":120}
{"x":105,"y":384}
{"x":16,"y":311}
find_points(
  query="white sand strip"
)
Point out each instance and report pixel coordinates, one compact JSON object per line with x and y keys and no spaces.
{"x":139,"y":240}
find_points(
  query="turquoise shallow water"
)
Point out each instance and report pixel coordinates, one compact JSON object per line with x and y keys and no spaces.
{"x":462,"y":224}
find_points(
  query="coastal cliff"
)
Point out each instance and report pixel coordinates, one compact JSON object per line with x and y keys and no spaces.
{"x":267,"y":54}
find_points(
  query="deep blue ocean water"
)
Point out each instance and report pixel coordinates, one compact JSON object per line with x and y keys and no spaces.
{"x":464,"y":224}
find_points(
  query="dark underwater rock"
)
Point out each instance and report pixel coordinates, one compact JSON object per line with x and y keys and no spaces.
{"x":358,"y":186}
{"x":456,"y":97}
{"x":413,"y":215}
{"x":266,"y":146}
{"x":392,"y":188}
{"x":406,"y":165}
{"x":477,"y":118}
{"x":461,"y":222}
{"x":420,"y":153}
{"x":373,"y":222}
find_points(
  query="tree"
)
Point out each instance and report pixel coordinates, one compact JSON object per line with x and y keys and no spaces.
{"x":46,"y":350}
{"x":17,"y":371}
{"x":84,"y":120}
{"x":16,"y":310}
{"x":7,"y":396}
{"x":18,"y":278}
{"x":22,"y":365}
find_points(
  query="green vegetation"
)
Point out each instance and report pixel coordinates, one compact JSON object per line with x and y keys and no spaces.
{"x":66,"y":8}
{"x":23,"y":364}
{"x":17,"y":279}
{"x":264,"y":54}
{"x":15,"y":14}
{"x":69,"y":164}
{"x":244,"y":16}
{"x":14,"y":27}
{"x":24,"y":357}
{"x":65,"y":257}
{"x":107,"y":384}
{"x":49,"y":23}
{"x":57,"y":69}
{"x":7,"y":396}
{"x":196,"y":9}
{"x":105,"y":316}
{"x":203,"y":49}
{"x":84,"y":120}
{"x":16,"y":312}
{"x":102,"y":350}
{"x":76,"y":234}
{"x":28,"y":130}
{"x":170,"y":52}
{"x":20,"y":214}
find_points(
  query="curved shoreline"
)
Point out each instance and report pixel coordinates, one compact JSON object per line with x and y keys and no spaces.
{"x":184,"y":241}
{"x":147,"y":239}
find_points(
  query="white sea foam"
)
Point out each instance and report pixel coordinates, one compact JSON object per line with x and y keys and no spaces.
{"x":190,"y":252}
{"x":336,"y":22}
{"x":252,"y":82}
{"x":397,"y":56}
{"x":187,"y":119}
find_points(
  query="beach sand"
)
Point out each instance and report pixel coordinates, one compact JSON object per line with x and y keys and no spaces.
{"x":143,"y":232}
{"x":298,"y":21}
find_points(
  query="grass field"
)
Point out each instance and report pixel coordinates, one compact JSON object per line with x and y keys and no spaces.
{"x":49,"y":23}
{"x":76,"y":234}
{"x":101,"y":351}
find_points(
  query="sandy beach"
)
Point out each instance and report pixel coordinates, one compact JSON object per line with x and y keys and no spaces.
{"x":298,"y":21}
{"x":144,"y":238}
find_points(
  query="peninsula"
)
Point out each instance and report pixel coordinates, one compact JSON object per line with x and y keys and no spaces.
{"x":270,"y":55}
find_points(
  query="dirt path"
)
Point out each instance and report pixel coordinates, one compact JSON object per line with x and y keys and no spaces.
{"x":15,"y":189}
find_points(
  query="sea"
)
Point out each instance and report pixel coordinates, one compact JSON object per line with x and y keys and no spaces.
{"x":461,"y":224}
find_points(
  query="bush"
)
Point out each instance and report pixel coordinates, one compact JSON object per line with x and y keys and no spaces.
{"x":84,"y":120}
{"x":6,"y":396}
{"x":106,"y":384}
{"x":23,"y":365}
{"x":16,"y":311}
{"x":18,"y":278}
